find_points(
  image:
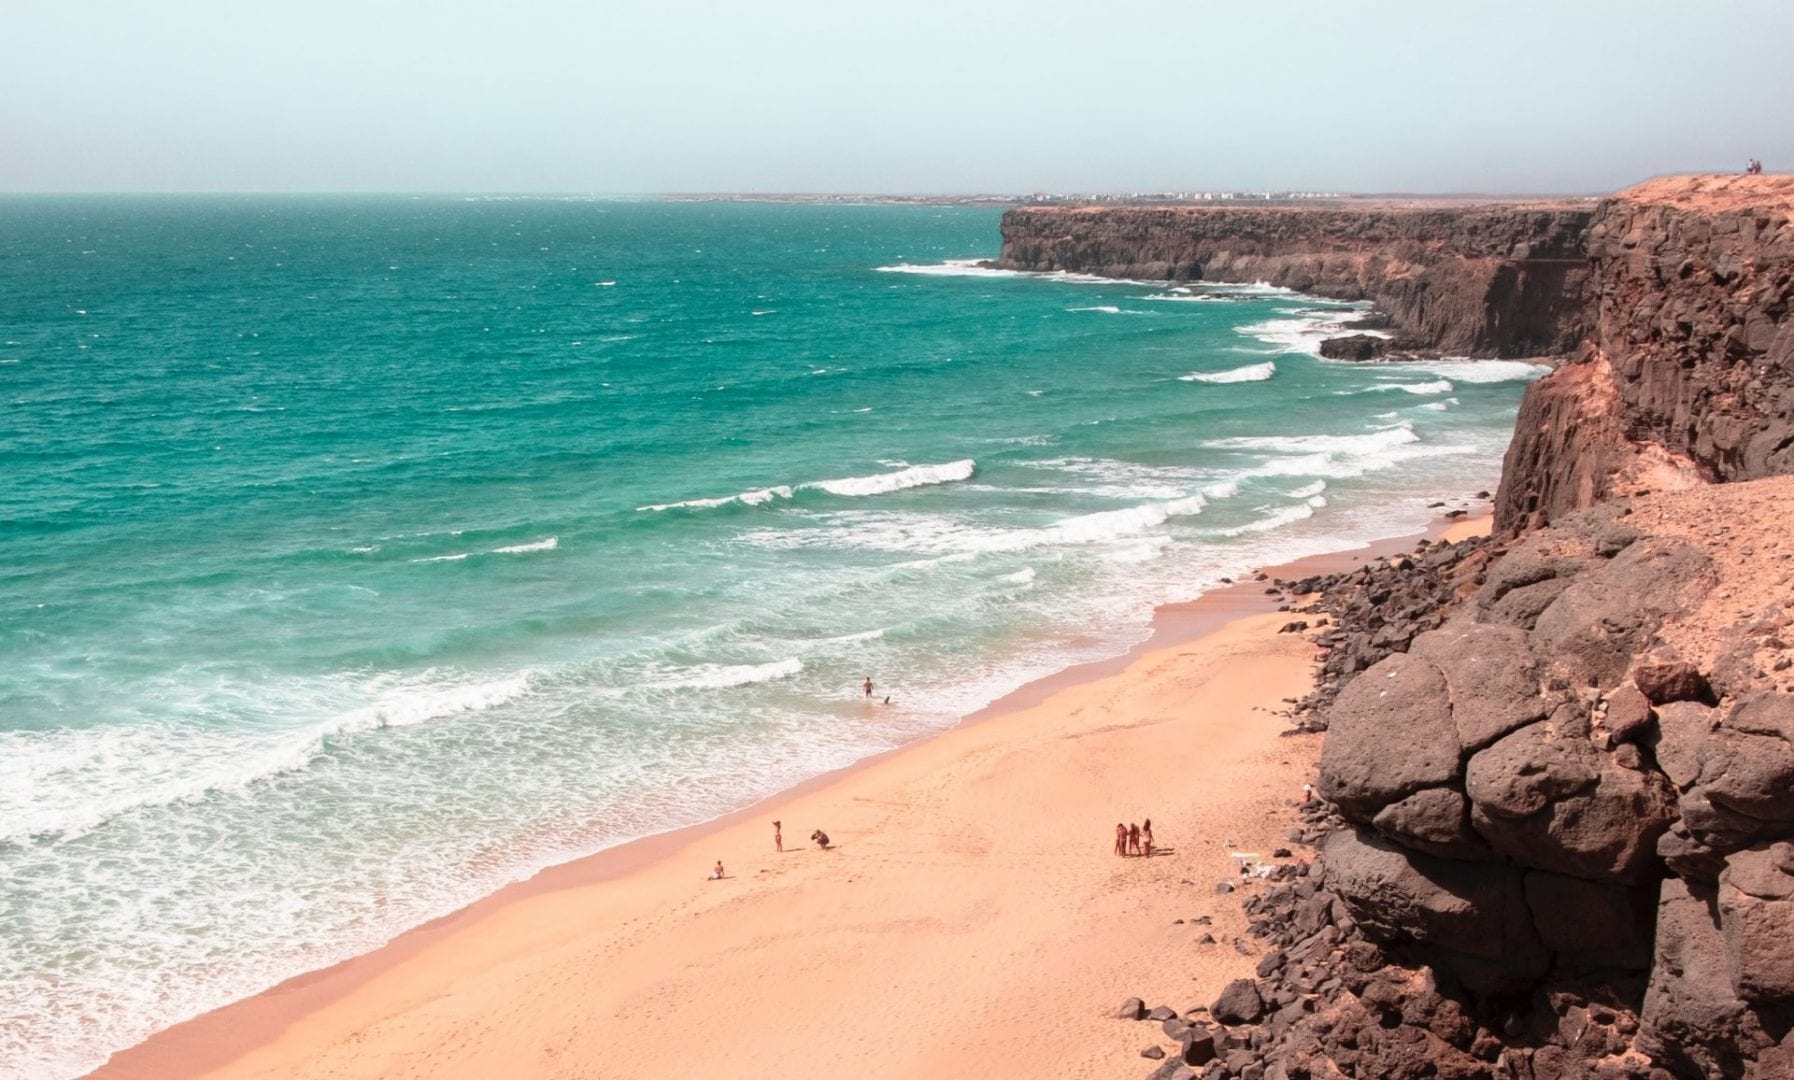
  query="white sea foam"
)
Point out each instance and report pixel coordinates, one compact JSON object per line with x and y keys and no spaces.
{"x":417,"y":699}
{"x":849,"y":486}
{"x":1305,"y":328}
{"x":883,"y":483}
{"x":1355,"y":445}
{"x":746,"y":498}
{"x":457,"y":557}
{"x":1309,"y":490}
{"x":1482,"y":371}
{"x":1249,"y":373}
{"x":549,"y":544}
{"x":69,"y":781}
{"x":1023,"y":576}
{"x":971,"y":268}
{"x":1110,"y":309}
{"x":1437,"y":386}
{"x":1278,"y":519}
{"x":724,"y":676}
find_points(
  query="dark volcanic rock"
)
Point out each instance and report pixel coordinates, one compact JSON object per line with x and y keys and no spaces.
{"x":1355,"y":347}
{"x":1689,"y":368}
{"x":1389,"y":735}
{"x":1239,"y":1003}
{"x":1469,"y":908}
{"x":1481,"y":281}
{"x":1674,"y":680}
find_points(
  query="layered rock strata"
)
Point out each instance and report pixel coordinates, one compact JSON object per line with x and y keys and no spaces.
{"x":1480,"y":280}
{"x":1687,"y":375}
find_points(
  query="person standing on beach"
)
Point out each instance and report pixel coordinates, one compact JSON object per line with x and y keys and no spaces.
{"x":868,"y":688}
{"x":1133,"y":839}
{"x":778,"y":838}
{"x":1120,"y":839}
{"x":1146,"y":838}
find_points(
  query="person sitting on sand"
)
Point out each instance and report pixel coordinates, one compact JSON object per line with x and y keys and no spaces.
{"x":1133,"y":839}
{"x":1120,"y":839}
{"x":1146,"y":838}
{"x":778,"y":838}
{"x":821,"y":839}
{"x":717,"y":874}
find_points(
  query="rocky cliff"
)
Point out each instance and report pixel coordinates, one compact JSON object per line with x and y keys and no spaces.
{"x":1687,"y":373}
{"x":1479,"y":280}
{"x":1558,"y":830}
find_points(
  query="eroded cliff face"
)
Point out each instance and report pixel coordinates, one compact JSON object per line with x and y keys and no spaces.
{"x":1688,"y":372}
{"x":1482,"y":280}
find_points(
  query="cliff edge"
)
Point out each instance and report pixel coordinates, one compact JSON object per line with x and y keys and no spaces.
{"x":1474,"y":280}
{"x":1687,"y":372}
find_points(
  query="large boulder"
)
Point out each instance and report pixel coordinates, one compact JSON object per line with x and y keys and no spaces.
{"x":1744,"y":787}
{"x":1492,"y":677}
{"x":1589,"y":925}
{"x":1476,"y":909}
{"x":1694,"y":1023}
{"x":1390,"y":735}
{"x":1756,"y":914}
{"x":1434,"y":820}
{"x":1596,"y":625}
{"x":1549,"y":799}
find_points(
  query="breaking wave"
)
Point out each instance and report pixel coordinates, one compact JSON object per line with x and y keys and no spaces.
{"x":1249,"y":373}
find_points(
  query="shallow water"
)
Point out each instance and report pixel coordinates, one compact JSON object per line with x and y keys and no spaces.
{"x":360,"y":555}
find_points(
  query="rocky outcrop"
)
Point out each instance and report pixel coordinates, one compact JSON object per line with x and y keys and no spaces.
{"x":1480,"y":280}
{"x":1573,"y":783}
{"x":1687,"y":375}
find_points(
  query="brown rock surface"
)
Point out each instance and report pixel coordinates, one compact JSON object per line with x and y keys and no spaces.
{"x":1689,"y":370}
{"x":1480,"y":279}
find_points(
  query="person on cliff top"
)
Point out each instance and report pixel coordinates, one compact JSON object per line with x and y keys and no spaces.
{"x":1121,"y":839}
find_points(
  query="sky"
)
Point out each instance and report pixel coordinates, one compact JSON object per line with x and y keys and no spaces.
{"x":915,"y":96}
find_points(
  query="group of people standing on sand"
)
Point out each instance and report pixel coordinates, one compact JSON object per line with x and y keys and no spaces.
{"x":1755,"y":168}
{"x":778,"y":845}
{"x":1133,"y":839}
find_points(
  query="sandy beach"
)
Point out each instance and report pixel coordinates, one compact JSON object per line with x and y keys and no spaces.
{"x":971,"y":919}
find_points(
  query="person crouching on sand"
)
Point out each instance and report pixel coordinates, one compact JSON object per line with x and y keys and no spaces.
{"x":1146,"y":838}
{"x":821,"y":839}
{"x":778,"y":838}
{"x":1133,"y":839}
{"x":1120,"y":839}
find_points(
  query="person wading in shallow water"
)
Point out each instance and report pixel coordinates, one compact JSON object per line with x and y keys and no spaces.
{"x":868,"y":688}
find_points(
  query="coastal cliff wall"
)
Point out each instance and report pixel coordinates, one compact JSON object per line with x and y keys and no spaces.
{"x":1687,"y":375}
{"x":1480,"y":280}
{"x":1560,"y":762}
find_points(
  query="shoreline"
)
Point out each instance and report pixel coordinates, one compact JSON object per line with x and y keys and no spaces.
{"x":226,"y":1040}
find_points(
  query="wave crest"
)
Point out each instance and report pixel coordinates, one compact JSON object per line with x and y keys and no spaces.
{"x":1249,"y":373}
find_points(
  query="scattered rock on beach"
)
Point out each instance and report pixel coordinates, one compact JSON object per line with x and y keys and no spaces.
{"x":1131,"y":1009}
{"x":1239,"y":1003}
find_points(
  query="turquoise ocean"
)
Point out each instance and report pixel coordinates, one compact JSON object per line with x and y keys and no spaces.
{"x":361,"y":555}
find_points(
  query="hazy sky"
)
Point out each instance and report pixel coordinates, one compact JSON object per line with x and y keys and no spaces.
{"x":899,"y":96}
